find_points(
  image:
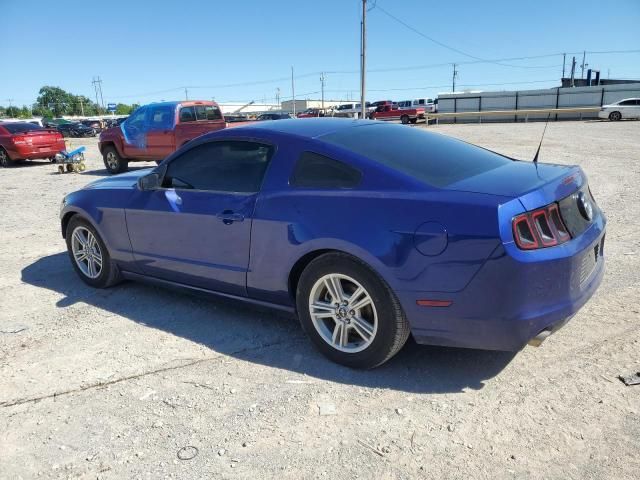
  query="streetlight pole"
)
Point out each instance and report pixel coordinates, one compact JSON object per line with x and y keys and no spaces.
{"x":322,"y":88}
{"x":455,"y":74}
{"x":293,"y":92}
{"x":363,"y":63}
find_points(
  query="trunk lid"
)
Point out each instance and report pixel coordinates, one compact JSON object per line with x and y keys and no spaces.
{"x":39,"y":138}
{"x":534,"y":184}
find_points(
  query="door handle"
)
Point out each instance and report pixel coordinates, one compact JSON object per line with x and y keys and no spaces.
{"x":229,"y":216}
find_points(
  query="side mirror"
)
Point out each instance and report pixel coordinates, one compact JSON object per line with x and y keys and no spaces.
{"x":149,"y":182}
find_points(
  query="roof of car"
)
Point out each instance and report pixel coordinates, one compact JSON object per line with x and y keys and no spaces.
{"x":309,"y":127}
{"x":175,"y":103}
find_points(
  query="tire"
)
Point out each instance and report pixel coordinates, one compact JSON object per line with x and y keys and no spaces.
{"x":113,"y":161}
{"x":103,"y":276}
{"x":5,"y":161}
{"x":373,"y":332}
{"x":404,"y":119}
{"x":615,"y":116}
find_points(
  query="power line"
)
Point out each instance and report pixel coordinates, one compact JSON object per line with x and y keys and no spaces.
{"x":449,"y":47}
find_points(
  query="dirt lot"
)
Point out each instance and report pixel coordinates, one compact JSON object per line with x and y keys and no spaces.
{"x":114,"y":383}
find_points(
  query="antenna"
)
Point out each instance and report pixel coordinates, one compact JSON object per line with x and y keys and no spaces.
{"x":535,"y":158}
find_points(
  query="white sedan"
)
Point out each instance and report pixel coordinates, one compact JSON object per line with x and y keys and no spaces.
{"x":627,"y":108}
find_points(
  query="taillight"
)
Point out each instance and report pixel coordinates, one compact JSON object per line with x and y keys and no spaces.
{"x":20,"y":139}
{"x":540,"y":228}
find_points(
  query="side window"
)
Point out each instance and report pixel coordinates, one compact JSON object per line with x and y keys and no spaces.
{"x":232,"y":166}
{"x":207,"y":112}
{"x":187,"y":114}
{"x":628,"y":102}
{"x":161,"y":117}
{"x":317,"y":171}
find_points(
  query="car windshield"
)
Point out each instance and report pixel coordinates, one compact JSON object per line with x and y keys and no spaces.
{"x":432,"y":158}
{"x":20,"y":127}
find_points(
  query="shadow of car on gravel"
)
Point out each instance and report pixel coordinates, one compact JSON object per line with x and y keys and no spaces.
{"x":263,"y":336}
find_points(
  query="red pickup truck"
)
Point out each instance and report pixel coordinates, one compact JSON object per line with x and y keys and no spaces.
{"x":156,"y":130}
{"x":392,"y":112}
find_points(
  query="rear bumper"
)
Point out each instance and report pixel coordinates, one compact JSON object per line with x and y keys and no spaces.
{"x":29,"y":152}
{"x":510,"y":301}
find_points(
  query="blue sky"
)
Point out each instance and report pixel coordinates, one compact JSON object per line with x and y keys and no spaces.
{"x":243,"y":50}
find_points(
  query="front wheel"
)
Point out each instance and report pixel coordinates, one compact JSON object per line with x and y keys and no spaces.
{"x":615,"y":116}
{"x":113,"y":161}
{"x":404,"y":119}
{"x":89,"y":255}
{"x":349,"y":312}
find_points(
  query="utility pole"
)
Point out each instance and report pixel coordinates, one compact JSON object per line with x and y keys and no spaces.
{"x":584,"y":54}
{"x":9,"y":100}
{"x":363,"y":62}
{"x":564,"y":59}
{"x":278,"y":98}
{"x":97,"y":86}
{"x":81,"y":107}
{"x":573,"y":72}
{"x":455,"y":74}
{"x":322,"y":88}
{"x":186,"y":93}
{"x":293,"y":92}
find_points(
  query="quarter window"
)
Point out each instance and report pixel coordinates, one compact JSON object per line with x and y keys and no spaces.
{"x":231,"y":166}
{"x":317,"y":171}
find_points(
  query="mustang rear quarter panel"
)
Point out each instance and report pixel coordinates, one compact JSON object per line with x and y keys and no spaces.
{"x":375,"y":222}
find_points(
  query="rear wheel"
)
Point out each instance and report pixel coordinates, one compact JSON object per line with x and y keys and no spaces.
{"x":5,"y":161}
{"x":89,"y":255}
{"x":615,"y":116}
{"x":404,"y":119}
{"x":349,"y":312}
{"x":113,"y":161}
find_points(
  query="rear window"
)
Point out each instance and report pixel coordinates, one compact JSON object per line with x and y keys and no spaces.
{"x":20,"y":127}
{"x":429,"y":157}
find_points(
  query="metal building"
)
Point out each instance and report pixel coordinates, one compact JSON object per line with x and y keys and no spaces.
{"x":559,"y":97}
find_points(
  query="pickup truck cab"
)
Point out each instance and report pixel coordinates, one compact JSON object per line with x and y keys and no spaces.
{"x":154,"y":131}
{"x":393,"y":112}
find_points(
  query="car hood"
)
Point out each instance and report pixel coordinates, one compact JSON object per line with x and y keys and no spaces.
{"x":125,"y":180}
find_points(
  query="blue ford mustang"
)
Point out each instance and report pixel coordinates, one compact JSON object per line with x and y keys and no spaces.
{"x":370,"y":232}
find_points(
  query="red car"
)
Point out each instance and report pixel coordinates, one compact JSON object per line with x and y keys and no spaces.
{"x":27,"y":141}
{"x":392,"y":112}
{"x":156,"y":130}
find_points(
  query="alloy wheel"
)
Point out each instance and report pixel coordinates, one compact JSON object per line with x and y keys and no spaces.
{"x":112,"y":160}
{"x":86,"y":252}
{"x":343,"y":313}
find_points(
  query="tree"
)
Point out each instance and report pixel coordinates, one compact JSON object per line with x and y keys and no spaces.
{"x":122,"y":109}
{"x":56,"y":100}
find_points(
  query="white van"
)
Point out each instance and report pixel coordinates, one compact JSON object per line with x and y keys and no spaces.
{"x":426,"y":103}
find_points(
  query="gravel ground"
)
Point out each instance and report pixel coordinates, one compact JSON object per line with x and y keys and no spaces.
{"x":123,"y":383}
